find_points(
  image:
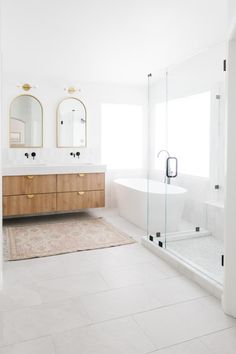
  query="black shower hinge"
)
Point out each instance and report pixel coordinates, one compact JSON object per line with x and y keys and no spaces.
{"x":224,"y":65}
{"x":160,"y":244}
{"x":222,"y":260}
{"x":151,"y":238}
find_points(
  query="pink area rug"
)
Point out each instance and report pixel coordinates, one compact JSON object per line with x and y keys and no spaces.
{"x":30,"y":241}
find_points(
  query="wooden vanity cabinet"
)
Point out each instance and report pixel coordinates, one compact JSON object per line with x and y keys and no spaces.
{"x":38,"y":194}
{"x":80,"y":191}
{"x":80,"y":182}
{"x":80,"y":200}
{"x":21,"y":185}
{"x":29,"y":204}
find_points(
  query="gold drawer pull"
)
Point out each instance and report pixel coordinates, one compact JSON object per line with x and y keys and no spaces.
{"x":30,"y":196}
{"x":81,"y":174}
{"x":81,"y":193}
{"x":30,"y":177}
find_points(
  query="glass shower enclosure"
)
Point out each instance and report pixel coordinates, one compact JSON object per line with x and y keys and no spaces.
{"x":186,"y":161}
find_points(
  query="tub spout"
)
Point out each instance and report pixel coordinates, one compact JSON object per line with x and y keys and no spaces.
{"x":163,"y":151}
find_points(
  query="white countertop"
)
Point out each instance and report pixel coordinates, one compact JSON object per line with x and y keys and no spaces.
{"x":45,"y":169}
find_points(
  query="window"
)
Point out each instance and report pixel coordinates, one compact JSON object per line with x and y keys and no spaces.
{"x":186,"y":132}
{"x":122,"y":136}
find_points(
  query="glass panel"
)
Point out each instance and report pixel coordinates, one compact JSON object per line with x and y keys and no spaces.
{"x":157,"y":157}
{"x":195,"y":129}
{"x":186,"y":161}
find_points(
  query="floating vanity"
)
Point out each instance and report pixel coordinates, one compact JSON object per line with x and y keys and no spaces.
{"x":32,"y":190}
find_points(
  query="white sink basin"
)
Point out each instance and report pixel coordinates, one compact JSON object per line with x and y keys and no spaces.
{"x":71,"y":164}
{"x":43,"y":168}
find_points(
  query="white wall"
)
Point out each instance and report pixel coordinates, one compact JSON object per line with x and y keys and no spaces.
{"x":112,"y":41}
{"x":232,"y":11}
{"x":50,"y":93}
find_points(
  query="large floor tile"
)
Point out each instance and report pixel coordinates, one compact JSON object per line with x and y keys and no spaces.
{"x":223,"y":342}
{"x":16,"y":272}
{"x":63,"y":315}
{"x":174,"y":290}
{"x":70,"y":286}
{"x":121,"y":336}
{"x":139,"y":298}
{"x":38,"y":346}
{"x":36,"y":321}
{"x":18,"y":296}
{"x":132,"y":274}
{"x":184,"y":321}
{"x":88,"y":261}
{"x":21,"y":325}
{"x":119,"y":302}
{"x":190,"y":347}
{"x":125,"y":255}
{"x":33,"y":270}
{"x":46,"y":267}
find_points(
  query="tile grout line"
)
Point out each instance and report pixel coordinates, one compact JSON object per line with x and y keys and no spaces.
{"x":51,"y":336}
{"x":194,"y":338}
{"x":27,"y":341}
{"x":105,"y":292}
{"x":31,"y":288}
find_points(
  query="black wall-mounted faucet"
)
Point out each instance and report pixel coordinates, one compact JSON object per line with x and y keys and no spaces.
{"x":78,"y":154}
{"x":72,"y":154}
{"x":33,"y":154}
{"x":27,"y":155}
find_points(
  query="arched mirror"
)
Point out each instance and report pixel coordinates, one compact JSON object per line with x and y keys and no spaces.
{"x":26,"y":122}
{"x":71,"y":123}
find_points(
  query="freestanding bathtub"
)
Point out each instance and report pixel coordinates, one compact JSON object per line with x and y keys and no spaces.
{"x":151,"y":205}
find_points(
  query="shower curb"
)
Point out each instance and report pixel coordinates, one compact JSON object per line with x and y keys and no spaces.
{"x":192,"y":273}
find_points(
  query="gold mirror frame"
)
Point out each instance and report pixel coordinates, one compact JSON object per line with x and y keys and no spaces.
{"x":86,"y":138}
{"x":25,"y":146}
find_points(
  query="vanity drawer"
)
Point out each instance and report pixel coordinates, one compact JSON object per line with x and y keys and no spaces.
{"x":18,"y":185}
{"x":80,"y":181}
{"x":29,"y":204}
{"x":80,"y":200}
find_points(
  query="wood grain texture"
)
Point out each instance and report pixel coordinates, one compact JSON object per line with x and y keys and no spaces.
{"x":74,"y":200}
{"x":80,"y":182}
{"x":18,"y":185}
{"x":29,"y":204}
{"x":37,"y":194}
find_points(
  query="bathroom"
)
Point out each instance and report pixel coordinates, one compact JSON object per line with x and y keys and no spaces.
{"x":140,"y":177}
{"x":201,"y":203}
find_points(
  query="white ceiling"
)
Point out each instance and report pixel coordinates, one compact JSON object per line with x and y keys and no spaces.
{"x":107,"y":40}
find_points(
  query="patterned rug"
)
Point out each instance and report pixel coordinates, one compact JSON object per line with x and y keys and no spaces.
{"x":31,"y":241}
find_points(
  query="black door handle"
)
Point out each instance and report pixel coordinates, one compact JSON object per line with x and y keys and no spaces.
{"x":171,"y":167}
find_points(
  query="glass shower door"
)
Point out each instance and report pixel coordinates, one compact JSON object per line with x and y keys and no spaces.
{"x":195,"y":129}
{"x":186,"y":161}
{"x":157,"y":146}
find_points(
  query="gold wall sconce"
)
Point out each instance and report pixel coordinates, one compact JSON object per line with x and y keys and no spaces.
{"x":26,"y":87}
{"x":71,"y":90}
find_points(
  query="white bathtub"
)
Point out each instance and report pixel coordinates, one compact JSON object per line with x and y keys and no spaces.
{"x":142,"y":208}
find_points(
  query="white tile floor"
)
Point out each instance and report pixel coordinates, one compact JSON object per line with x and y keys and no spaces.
{"x":121,"y":300}
{"x":203,"y":253}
